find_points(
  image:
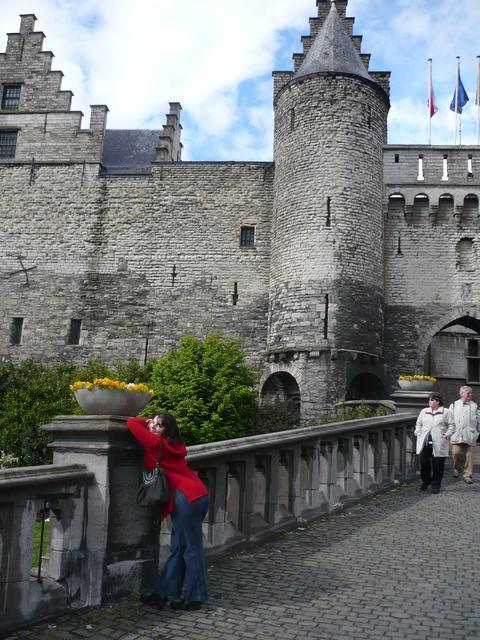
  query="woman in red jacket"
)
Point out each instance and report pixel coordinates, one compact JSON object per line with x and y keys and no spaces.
{"x":187,"y":506}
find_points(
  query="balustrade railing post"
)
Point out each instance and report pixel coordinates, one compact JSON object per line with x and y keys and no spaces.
{"x":247,"y":504}
{"x":319,"y":501}
{"x":298,"y":503}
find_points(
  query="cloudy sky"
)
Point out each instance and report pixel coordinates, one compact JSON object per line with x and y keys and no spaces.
{"x":216,"y":58}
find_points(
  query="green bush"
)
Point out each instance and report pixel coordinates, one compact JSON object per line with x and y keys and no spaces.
{"x":273,"y":417}
{"x":32,"y":394}
{"x":355,"y":412}
{"x":208,"y":387}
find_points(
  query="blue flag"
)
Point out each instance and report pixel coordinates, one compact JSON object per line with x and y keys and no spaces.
{"x":462,"y":97}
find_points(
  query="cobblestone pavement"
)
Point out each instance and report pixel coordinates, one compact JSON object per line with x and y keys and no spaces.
{"x":402,"y":564}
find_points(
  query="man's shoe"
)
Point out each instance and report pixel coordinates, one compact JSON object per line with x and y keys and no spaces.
{"x":435,"y":489}
{"x":455,"y":473}
{"x":154,"y":599}
{"x":424,"y":487}
{"x":181,"y":605}
{"x":468,"y":480}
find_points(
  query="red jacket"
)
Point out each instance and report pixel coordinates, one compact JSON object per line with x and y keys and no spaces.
{"x":179,"y":475}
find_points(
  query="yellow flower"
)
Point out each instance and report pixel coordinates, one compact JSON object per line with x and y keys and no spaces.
{"x":417,"y":376}
{"x":108,"y":383}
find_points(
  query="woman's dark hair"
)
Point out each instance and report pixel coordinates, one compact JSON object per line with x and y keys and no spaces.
{"x":436,"y":396}
{"x":172,"y":432}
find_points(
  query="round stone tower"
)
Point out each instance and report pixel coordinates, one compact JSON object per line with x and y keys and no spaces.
{"x":326,"y":282}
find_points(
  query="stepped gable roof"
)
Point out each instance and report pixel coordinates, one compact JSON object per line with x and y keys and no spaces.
{"x":333,"y":50}
{"x":130,"y":150}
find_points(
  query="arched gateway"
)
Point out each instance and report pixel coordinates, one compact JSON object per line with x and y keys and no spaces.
{"x":453,"y":355}
{"x":281,"y":390}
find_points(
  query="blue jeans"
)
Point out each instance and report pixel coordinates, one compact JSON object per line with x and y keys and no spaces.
{"x":186,"y":562}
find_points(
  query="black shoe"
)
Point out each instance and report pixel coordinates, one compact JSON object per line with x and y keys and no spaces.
{"x":424,"y":487}
{"x":435,"y":489}
{"x":154,"y":599}
{"x":181,"y":605}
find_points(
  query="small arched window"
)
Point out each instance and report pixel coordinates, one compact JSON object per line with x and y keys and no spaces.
{"x":465,"y":255}
{"x":396,"y":204}
{"x":470,"y":209}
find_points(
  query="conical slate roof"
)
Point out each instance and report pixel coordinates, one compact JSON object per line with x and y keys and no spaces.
{"x":333,"y":50}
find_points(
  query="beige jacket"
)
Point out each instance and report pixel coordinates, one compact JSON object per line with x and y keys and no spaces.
{"x":439,"y":423}
{"x":466,"y":423}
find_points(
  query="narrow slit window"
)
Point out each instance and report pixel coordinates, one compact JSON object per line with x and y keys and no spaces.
{"x":325,"y":318}
{"x":247,"y":236}
{"x":11,"y":96}
{"x":292,"y":119}
{"x":329,"y":212}
{"x":75,"y":331}
{"x":16,"y":331}
{"x":420,"y":176}
{"x":397,"y":158}
{"x":399,"y":246}
{"x":470,"y":167}
{"x":235,"y":295}
{"x":445,"y":168}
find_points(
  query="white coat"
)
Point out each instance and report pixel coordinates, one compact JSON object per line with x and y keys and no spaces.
{"x":438,"y":423}
{"x":467,"y":425}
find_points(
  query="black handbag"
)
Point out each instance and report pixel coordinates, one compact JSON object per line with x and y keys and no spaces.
{"x":153,"y":489}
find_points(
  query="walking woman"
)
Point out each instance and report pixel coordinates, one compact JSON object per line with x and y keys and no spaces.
{"x":187,"y":507}
{"x":434,"y":427}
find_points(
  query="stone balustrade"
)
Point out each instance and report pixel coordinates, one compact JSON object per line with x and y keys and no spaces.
{"x":102,"y":544}
{"x":23,"y":492}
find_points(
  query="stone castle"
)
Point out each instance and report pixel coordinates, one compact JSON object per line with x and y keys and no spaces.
{"x":337,"y":266}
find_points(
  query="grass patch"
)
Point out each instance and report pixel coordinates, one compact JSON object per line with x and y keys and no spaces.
{"x":36,"y":542}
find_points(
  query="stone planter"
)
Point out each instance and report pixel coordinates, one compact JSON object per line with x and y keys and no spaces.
{"x":415,"y":385}
{"x":113,"y":402}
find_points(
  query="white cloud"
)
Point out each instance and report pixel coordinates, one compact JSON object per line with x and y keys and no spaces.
{"x":138,"y":56}
{"x":216,"y":57}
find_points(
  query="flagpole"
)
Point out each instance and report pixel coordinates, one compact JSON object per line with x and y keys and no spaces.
{"x":457,"y":90}
{"x":430,"y":101}
{"x":478,"y":100}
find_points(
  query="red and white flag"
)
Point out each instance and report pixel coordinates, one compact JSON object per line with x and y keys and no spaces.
{"x":432,"y":107}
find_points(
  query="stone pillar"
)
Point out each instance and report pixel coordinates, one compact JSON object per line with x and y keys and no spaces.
{"x":121,"y":546}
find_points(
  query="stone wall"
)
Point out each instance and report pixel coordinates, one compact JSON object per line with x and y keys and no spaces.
{"x":431,"y":246}
{"x":121,"y":252}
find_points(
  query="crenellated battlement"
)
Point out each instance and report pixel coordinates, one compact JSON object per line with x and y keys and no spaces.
{"x":431,"y":165}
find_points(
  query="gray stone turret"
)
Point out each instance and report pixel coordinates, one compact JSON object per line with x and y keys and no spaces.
{"x":326,"y":284}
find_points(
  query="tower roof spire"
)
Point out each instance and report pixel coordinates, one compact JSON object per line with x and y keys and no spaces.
{"x":333,"y":50}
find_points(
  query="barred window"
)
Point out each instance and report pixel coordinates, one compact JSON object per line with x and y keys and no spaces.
{"x":247,"y":237}
{"x":8,"y":144}
{"x":11,"y":96}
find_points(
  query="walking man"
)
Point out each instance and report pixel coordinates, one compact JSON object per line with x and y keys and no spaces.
{"x":464,"y":438}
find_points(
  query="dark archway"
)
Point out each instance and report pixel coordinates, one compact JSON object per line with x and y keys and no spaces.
{"x":465,"y":321}
{"x":366,"y":386}
{"x":453,"y":356}
{"x":281,"y":391}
